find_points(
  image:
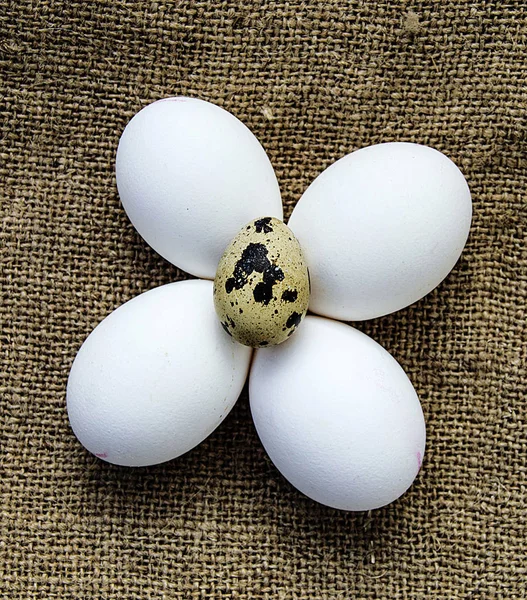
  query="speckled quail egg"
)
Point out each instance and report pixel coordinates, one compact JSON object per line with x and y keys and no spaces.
{"x":261,"y":289}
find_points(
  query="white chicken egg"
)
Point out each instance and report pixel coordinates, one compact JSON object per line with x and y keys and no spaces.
{"x":338,"y":416}
{"x":381,"y":228}
{"x":190,"y":175}
{"x":156,"y":377}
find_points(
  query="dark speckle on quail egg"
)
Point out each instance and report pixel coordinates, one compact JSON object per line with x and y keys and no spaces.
{"x":261,"y":289}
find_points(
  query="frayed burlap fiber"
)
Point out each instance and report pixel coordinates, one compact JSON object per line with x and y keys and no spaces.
{"x":314,"y":81}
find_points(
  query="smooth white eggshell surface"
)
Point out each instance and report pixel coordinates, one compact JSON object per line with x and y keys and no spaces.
{"x":338,"y":416}
{"x":156,"y":377}
{"x":380,"y":228}
{"x":190,"y":175}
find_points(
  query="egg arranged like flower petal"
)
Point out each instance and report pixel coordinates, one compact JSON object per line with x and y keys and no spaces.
{"x":190,"y":175}
{"x":156,"y":377}
{"x":338,"y":416}
{"x":381,"y":228}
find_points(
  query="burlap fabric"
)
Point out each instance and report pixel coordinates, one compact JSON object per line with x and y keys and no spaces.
{"x":314,"y":81}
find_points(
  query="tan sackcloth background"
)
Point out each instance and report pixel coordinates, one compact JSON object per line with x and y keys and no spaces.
{"x":314,"y":81}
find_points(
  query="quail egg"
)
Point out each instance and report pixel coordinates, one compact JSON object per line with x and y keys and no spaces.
{"x":261,"y":289}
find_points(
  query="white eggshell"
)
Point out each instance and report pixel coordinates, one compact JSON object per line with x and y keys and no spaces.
{"x":156,"y":377}
{"x":190,"y":175}
{"x":381,"y":228}
{"x":338,"y":416}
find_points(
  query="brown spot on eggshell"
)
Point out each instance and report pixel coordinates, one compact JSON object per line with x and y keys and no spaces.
{"x":262,"y":273}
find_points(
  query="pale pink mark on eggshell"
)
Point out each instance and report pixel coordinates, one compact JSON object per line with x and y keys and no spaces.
{"x":419,"y":460}
{"x":101,"y":455}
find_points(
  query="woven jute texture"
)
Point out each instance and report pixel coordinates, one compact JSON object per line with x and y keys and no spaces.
{"x":314,"y":81}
